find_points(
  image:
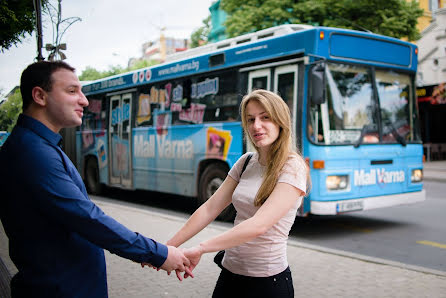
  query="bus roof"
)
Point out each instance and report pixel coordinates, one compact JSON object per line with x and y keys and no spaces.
{"x":281,"y":41}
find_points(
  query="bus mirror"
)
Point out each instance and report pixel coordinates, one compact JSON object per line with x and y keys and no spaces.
{"x":317,"y":83}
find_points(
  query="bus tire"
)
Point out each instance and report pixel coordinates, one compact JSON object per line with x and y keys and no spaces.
{"x":92,"y":177}
{"x":211,"y":179}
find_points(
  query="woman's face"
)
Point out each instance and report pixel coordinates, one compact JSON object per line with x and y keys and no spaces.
{"x":262,"y":130}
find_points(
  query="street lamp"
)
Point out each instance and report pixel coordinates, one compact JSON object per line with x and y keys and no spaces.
{"x":38,"y":11}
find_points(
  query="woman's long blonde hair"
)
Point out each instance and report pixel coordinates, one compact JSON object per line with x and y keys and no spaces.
{"x":282,"y":149}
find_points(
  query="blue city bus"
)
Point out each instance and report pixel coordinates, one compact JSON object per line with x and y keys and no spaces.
{"x":3,"y":136}
{"x":175,"y":127}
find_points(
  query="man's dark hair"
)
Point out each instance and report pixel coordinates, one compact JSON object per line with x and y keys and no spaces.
{"x":39,"y":74}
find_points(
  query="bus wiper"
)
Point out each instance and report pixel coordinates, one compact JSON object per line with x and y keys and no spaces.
{"x":395,"y":133}
{"x":365,"y":129}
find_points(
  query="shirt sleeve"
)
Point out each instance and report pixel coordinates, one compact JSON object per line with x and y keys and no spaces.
{"x":294,"y":172}
{"x":64,"y":201}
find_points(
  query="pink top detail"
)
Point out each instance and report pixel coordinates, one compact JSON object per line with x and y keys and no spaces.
{"x":266,"y":254}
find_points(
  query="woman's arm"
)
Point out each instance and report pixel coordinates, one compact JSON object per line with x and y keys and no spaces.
{"x":206,"y":213}
{"x":281,"y":200}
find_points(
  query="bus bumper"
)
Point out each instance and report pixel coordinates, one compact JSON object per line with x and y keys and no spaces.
{"x":342,"y":206}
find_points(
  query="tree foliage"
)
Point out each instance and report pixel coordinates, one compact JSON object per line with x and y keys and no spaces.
{"x":17,"y":18}
{"x":200,"y":36}
{"x":91,"y":74}
{"x":396,"y":18}
{"x":141,"y":64}
{"x":10,"y":110}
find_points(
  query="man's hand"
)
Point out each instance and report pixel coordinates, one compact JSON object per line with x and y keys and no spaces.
{"x":177,"y":261}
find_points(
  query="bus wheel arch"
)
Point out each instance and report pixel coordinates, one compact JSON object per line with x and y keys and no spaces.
{"x":91,"y":174}
{"x":211,"y":176}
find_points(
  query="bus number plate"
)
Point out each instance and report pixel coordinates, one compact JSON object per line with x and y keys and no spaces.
{"x":349,"y":206}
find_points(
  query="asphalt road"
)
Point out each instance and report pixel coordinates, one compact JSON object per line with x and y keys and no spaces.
{"x":410,"y":234}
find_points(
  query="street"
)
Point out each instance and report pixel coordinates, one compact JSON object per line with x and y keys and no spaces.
{"x":317,"y":271}
{"x":410,"y":234}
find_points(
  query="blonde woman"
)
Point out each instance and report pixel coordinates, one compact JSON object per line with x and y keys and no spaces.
{"x":266,"y":196}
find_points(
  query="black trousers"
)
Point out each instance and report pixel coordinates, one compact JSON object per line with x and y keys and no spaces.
{"x":234,"y":285}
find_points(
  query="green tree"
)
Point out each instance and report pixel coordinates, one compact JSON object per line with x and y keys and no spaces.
{"x":17,"y":18}
{"x":10,"y":110}
{"x":200,"y":36}
{"x":91,"y":74}
{"x":396,"y":18}
{"x":141,"y":64}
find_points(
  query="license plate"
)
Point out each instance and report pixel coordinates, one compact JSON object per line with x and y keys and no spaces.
{"x":349,"y":206}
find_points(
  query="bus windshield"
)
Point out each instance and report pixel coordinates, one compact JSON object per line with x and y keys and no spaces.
{"x":353,"y":113}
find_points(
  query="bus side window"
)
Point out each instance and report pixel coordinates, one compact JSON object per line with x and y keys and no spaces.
{"x":218,"y":93}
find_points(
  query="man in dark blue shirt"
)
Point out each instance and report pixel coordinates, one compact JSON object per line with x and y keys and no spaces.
{"x":56,"y":233}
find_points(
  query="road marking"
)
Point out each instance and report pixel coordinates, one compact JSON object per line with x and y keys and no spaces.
{"x":431,"y":243}
{"x":352,"y":228}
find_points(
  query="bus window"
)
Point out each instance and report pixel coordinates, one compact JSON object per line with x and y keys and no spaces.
{"x":217,"y":94}
{"x":395,"y":93}
{"x":350,"y":107}
{"x":259,"y":79}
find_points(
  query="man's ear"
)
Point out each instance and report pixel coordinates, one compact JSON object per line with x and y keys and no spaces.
{"x":39,"y":96}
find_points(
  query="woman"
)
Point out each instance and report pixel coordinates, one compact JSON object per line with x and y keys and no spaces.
{"x":266,"y":196}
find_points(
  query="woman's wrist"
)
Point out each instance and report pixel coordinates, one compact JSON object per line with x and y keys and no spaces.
{"x":172,"y":243}
{"x":202,"y":248}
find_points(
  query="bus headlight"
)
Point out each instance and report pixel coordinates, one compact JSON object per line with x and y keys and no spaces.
{"x":336,"y":182}
{"x":417,"y":175}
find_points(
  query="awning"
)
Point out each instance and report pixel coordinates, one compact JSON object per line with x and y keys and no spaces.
{"x":435,"y":94}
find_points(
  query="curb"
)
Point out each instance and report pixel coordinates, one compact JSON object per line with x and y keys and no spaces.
{"x":368,"y":259}
{"x":223,"y":226}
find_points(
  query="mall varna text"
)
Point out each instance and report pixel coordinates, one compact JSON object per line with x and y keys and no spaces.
{"x":166,"y":148}
{"x":375,"y":176}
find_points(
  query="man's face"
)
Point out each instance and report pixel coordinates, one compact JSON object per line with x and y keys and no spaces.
{"x":65,"y":101}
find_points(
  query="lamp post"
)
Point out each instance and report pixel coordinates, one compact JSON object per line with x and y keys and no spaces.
{"x":38,"y":11}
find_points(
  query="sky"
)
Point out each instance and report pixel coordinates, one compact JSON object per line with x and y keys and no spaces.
{"x":111,"y":32}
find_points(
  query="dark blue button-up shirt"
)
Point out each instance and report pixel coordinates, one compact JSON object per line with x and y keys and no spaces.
{"x":56,"y":233}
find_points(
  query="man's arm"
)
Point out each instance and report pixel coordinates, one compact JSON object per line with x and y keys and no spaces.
{"x":63,"y":199}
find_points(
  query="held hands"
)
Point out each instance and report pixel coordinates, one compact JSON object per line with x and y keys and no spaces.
{"x":194,"y":255}
{"x":180,"y":260}
{"x":176,"y":260}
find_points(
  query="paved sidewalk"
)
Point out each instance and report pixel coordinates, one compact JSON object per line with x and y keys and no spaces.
{"x":317,"y":272}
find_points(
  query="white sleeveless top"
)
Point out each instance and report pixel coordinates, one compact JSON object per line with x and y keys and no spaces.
{"x":265,"y":255}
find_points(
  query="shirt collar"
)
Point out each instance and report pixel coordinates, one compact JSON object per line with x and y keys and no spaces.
{"x":40,"y":129}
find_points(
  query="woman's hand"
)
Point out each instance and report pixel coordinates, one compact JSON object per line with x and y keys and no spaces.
{"x":194,"y":255}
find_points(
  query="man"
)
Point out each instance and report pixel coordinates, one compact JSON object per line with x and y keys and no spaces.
{"x":56,"y":233}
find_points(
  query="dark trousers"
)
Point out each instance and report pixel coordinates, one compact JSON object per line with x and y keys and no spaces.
{"x":234,"y":285}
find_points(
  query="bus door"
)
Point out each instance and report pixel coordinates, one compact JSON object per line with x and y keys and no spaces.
{"x":120,"y":136}
{"x":285,"y":84}
{"x":259,"y":79}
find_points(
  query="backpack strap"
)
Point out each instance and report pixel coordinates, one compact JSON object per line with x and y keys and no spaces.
{"x":248,"y":158}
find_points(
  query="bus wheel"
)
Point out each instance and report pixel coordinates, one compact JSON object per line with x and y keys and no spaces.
{"x":92,"y":177}
{"x":211,"y":179}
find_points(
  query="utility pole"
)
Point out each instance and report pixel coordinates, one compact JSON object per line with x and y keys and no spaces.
{"x":38,"y":10}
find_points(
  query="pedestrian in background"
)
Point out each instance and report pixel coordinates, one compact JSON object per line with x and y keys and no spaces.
{"x":266,"y":196}
{"x":56,"y":233}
